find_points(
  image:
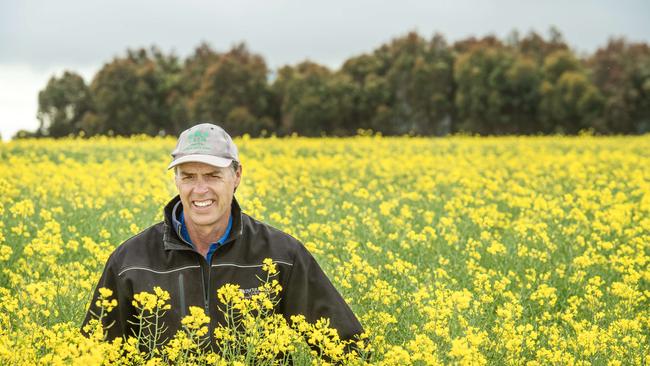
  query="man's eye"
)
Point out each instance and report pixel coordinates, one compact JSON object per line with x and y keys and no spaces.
{"x":187,"y":178}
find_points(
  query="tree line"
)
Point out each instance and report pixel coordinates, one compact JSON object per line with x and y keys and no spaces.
{"x":527,"y":84}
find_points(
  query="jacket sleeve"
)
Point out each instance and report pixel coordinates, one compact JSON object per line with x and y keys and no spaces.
{"x":115,"y":322}
{"x":309,"y":292}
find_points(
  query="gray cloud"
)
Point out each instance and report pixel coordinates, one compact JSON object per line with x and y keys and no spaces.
{"x":83,"y":33}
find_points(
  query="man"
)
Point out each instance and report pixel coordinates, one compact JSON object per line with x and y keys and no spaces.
{"x":205,"y":242}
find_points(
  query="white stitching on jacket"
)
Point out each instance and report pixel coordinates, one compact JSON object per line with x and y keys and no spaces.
{"x":247,"y":266}
{"x":154,"y":271}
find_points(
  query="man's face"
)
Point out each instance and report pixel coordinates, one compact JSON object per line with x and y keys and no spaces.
{"x":206,"y":193}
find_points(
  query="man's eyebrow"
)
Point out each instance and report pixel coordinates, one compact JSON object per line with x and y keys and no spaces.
{"x":212,"y":172}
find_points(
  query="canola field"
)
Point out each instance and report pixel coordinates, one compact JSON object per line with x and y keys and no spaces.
{"x":460,"y":250}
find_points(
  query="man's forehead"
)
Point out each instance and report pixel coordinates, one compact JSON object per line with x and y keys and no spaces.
{"x":198,"y":168}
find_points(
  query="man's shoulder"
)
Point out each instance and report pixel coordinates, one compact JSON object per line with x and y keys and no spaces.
{"x":261,"y":233}
{"x":140,"y":244}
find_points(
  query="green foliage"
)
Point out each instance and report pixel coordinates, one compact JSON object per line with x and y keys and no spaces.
{"x":409,"y":85}
{"x":62,"y":105}
{"x":537,"y":48}
{"x":570,"y":102}
{"x":621,"y":71}
{"x":130,"y":94}
{"x":480,"y":75}
{"x":420,"y":79}
{"x":237,"y":80}
{"x":314,"y":100}
{"x":522,"y":94}
{"x":558,"y":63}
{"x":405,"y":86}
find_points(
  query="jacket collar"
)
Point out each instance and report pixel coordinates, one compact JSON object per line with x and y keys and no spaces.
{"x":171,"y":239}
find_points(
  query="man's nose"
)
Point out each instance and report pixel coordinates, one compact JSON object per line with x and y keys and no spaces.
{"x":201,"y":187}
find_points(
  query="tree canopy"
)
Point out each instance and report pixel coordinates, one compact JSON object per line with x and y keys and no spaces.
{"x":409,"y":85}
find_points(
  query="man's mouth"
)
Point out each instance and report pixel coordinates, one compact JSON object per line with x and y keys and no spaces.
{"x":204,"y":203}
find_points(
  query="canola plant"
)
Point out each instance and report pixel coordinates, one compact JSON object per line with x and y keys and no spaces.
{"x":460,"y":250}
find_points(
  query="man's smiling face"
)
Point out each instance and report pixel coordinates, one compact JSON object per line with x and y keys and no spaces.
{"x":206,"y":193}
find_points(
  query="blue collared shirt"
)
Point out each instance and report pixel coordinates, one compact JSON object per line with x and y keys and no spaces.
{"x":179,"y":223}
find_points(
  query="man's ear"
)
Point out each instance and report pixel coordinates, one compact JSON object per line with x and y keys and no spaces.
{"x":237,"y":177}
{"x":176,"y":178}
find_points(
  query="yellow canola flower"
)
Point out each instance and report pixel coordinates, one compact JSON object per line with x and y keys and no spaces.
{"x":197,"y":321}
{"x":105,"y":302}
{"x":269,"y":267}
{"x":152,"y":301}
{"x":464,"y":250}
{"x":5,"y":252}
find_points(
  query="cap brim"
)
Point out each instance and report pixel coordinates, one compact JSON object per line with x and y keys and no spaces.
{"x":206,"y":159}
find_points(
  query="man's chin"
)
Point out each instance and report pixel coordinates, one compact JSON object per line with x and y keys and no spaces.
{"x":203,"y":220}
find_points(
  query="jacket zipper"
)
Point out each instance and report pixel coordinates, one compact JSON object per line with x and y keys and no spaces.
{"x":206,"y":289}
{"x":202,"y":261}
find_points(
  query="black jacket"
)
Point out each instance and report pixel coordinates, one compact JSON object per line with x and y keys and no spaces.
{"x":159,"y":257}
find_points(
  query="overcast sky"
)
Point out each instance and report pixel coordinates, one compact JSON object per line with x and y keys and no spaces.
{"x":41,"y":38}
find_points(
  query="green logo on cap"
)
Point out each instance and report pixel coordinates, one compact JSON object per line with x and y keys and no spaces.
{"x":198,"y":137}
{"x":196,"y":141}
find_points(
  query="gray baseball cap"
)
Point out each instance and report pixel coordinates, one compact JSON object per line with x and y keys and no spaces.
{"x":205,"y":143}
